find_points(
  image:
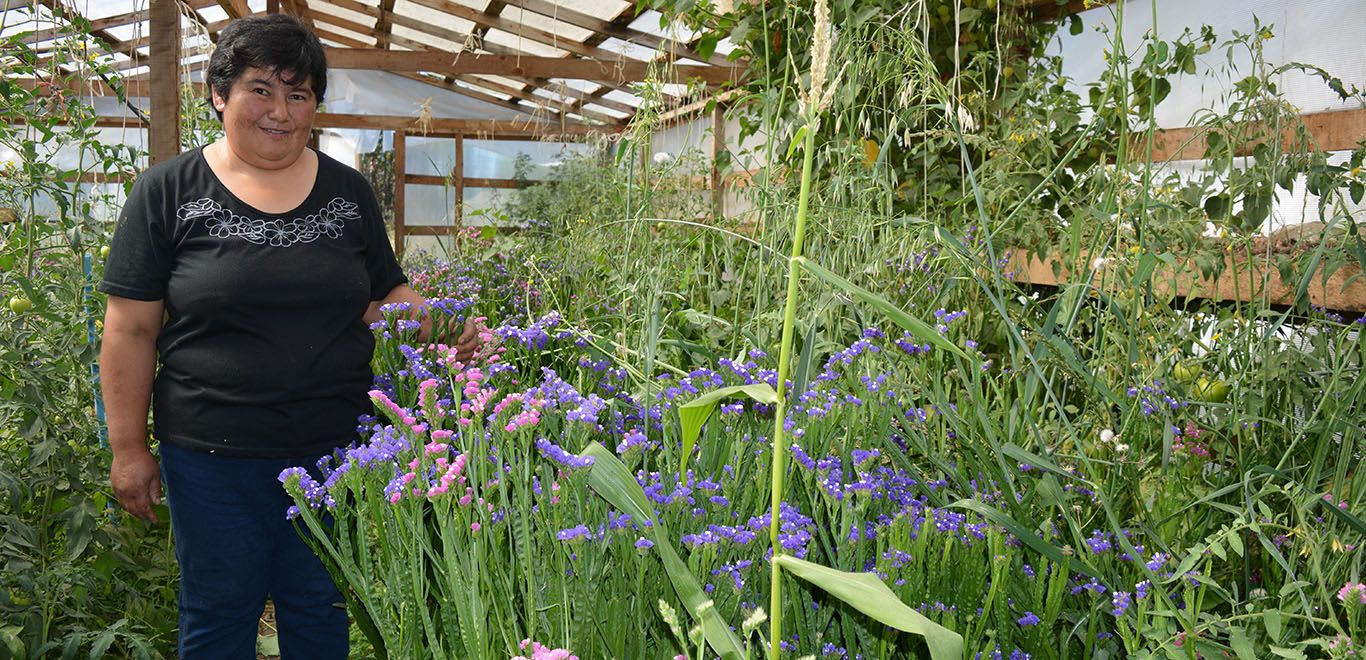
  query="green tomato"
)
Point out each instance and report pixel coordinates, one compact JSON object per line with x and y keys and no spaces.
{"x":1185,"y":372}
{"x":20,"y":304}
{"x":1212,"y":391}
{"x":104,"y":251}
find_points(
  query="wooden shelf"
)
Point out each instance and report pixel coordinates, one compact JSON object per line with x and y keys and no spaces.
{"x":1252,"y":278}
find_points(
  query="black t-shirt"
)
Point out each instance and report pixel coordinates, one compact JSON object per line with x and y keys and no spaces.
{"x":264,"y":352}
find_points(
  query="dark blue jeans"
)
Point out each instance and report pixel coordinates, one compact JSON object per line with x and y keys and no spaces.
{"x":235,"y":548}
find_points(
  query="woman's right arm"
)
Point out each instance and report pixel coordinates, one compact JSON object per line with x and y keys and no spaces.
{"x":128,"y":362}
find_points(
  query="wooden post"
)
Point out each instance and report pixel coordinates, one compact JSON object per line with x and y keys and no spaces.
{"x":400,"y":183}
{"x":458,"y":177}
{"x":718,"y":145}
{"x":164,"y":61}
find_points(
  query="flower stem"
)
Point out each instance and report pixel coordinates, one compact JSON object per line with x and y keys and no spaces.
{"x":775,"y":603}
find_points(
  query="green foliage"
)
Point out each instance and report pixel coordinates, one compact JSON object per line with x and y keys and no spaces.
{"x":78,"y":577}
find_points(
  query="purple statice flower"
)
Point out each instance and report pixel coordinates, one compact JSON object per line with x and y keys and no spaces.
{"x":1158,"y":561}
{"x":1029,"y":620}
{"x":794,"y":528}
{"x":556,"y":453}
{"x":634,"y":440}
{"x":1119,"y":602}
{"x":733,"y":570}
{"x":1093,"y":586}
{"x":1141,"y":589}
{"x":643,"y":545}
{"x":1099,"y":543}
{"x":861,"y":456}
{"x":575,"y":533}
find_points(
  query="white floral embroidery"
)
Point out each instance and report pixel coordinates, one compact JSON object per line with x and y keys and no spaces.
{"x":222,"y":223}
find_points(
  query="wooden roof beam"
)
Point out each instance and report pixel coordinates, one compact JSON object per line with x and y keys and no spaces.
{"x":465,"y":126}
{"x":383,"y":26}
{"x":526,"y":67}
{"x":515,"y":93}
{"x":236,"y":9}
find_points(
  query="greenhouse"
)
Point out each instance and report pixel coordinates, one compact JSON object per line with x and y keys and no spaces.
{"x":579,"y":329}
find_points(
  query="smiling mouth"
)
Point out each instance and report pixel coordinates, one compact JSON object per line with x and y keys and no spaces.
{"x":275,"y":131}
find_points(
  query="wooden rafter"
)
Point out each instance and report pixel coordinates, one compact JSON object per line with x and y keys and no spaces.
{"x":469,"y":127}
{"x":488,"y":21}
{"x":164,"y":141}
{"x":515,"y":93}
{"x":383,"y":24}
{"x":605,"y":29}
{"x":235,"y":8}
{"x":447,"y":34}
{"x":505,"y":65}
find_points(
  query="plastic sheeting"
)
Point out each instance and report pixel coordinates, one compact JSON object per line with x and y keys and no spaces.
{"x":1326,"y":33}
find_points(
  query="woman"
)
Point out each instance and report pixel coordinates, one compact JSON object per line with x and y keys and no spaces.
{"x":249,"y":269}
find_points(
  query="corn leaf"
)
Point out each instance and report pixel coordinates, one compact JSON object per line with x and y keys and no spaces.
{"x":611,"y":480}
{"x":693,"y":414}
{"x":867,"y":594}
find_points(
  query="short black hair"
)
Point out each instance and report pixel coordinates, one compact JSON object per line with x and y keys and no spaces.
{"x":277,"y":43}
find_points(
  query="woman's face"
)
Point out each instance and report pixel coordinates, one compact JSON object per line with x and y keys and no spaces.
{"x":267,"y":122}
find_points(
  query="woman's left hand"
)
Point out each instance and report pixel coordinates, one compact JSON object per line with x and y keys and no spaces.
{"x":469,"y":341}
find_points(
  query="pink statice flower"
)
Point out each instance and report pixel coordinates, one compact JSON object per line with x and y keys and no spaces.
{"x":539,"y":652}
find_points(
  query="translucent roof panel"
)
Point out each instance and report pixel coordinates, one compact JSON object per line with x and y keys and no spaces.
{"x":432,"y":17}
{"x":481,"y":5}
{"x":623,"y":97}
{"x":380,"y":93}
{"x":213,"y":13}
{"x":630,"y":50}
{"x":539,"y":22}
{"x":342,"y":13}
{"x":605,"y":9}
{"x":97,"y":9}
{"x":585,"y":86}
{"x":554,"y":96}
{"x":129,"y":32}
{"x":483,"y":90}
{"x":341,"y":31}
{"x":605,"y":111}
{"x":1316,"y":32}
{"x":427,"y":39}
{"x":522,"y":44}
{"x":648,"y":22}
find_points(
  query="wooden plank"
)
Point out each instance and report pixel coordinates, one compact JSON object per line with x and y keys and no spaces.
{"x":400,"y":178}
{"x":431,"y":230}
{"x":442,"y":126}
{"x":434,"y":180}
{"x":1246,"y":277}
{"x":618,"y":71}
{"x":458,"y":173}
{"x":1337,"y":130}
{"x":718,"y":145}
{"x":164,"y":140}
{"x":383,"y":25}
{"x":236,"y":8}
